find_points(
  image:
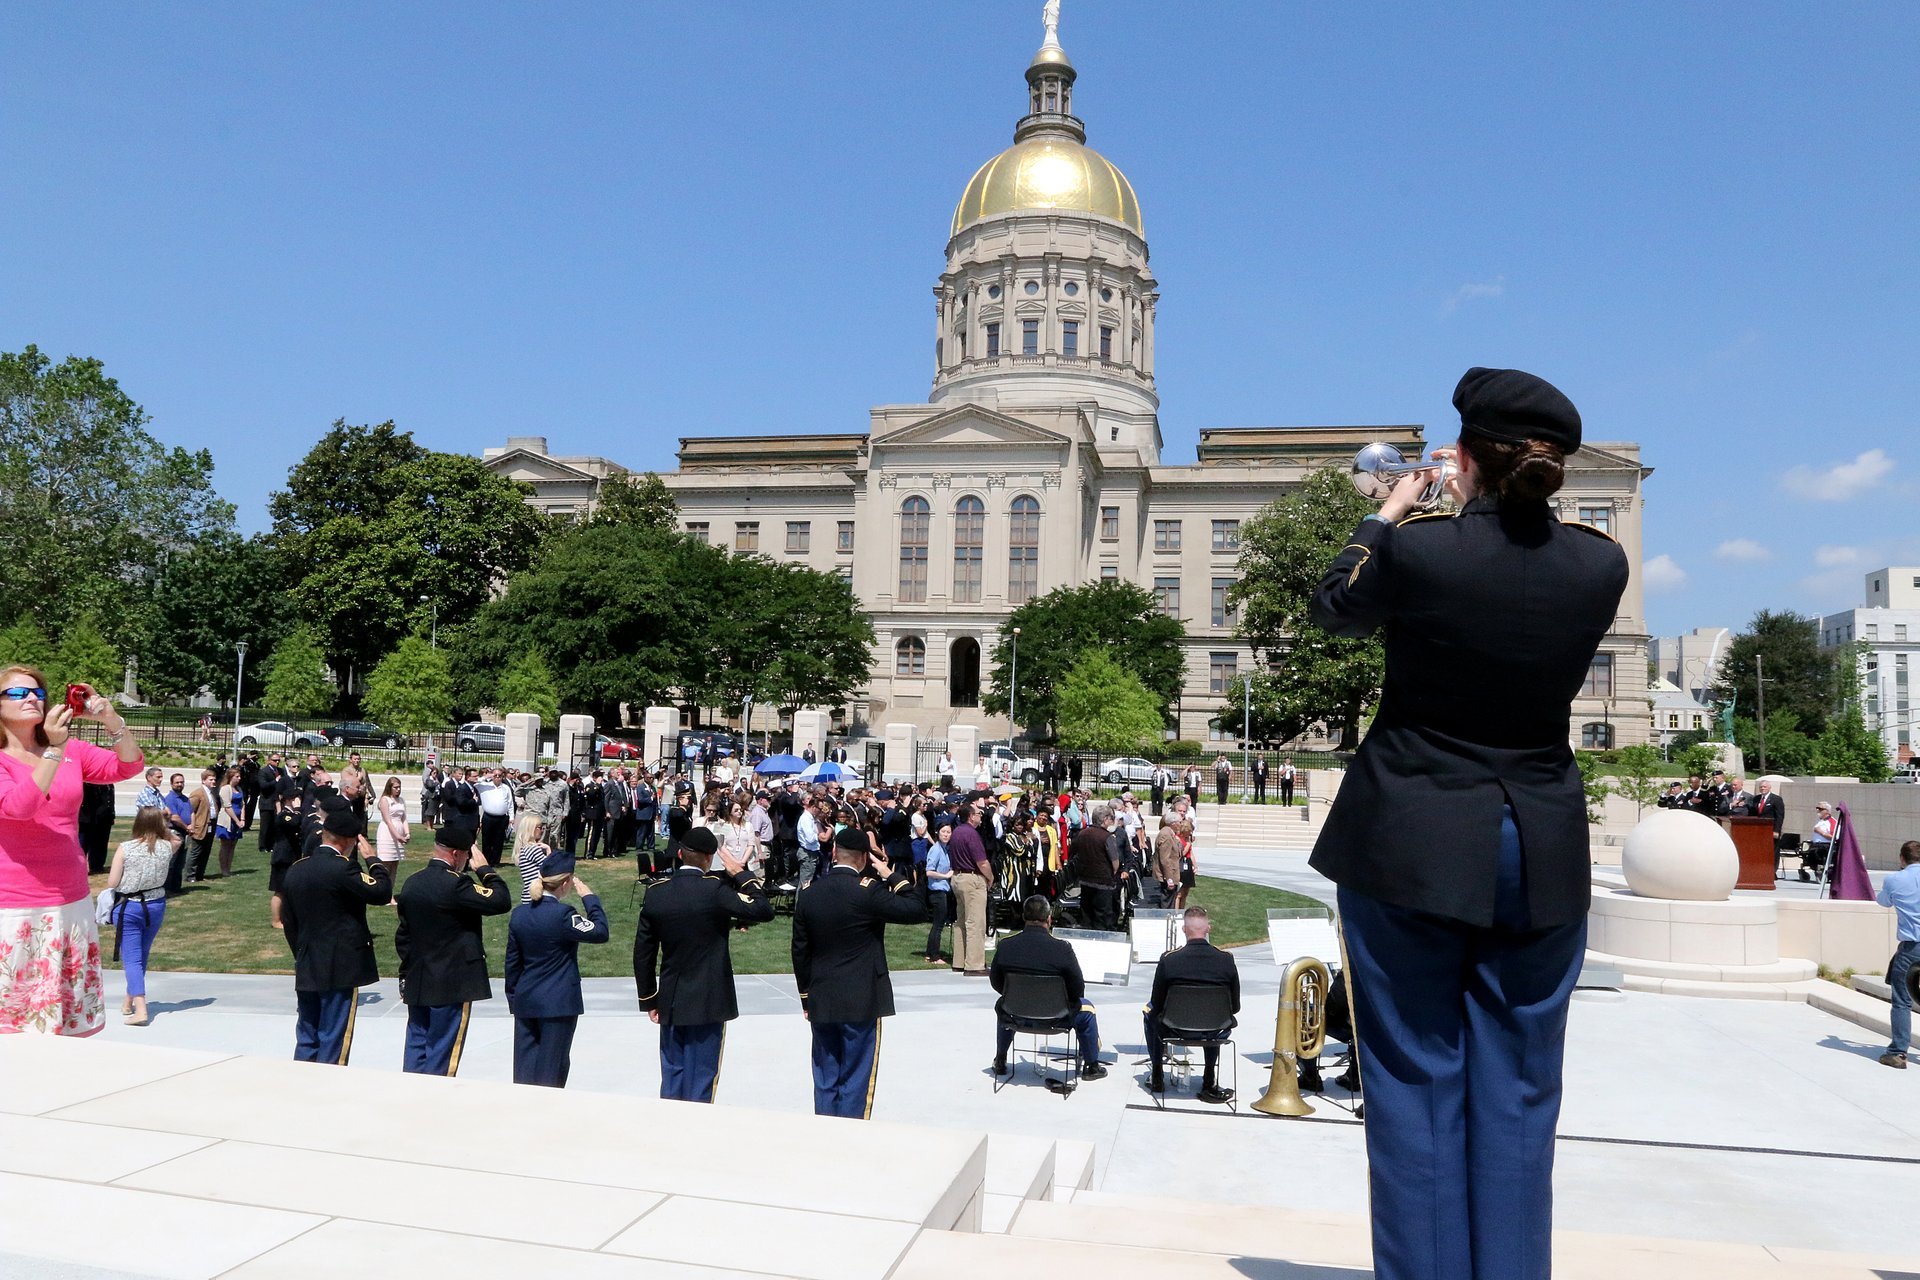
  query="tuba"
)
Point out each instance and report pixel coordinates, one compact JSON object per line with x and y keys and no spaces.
{"x":1379,"y":466}
{"x":1300,"y":1031}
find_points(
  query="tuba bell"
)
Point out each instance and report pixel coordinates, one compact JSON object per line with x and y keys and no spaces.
{"x":1379,"y":466}
{"x":1300,"y":1031}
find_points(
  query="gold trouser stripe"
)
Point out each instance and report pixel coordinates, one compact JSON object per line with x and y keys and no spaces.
{"x":873,"y":1073}
{"x":459,"y":1039}
{"x":346,"y":1041}
{"x":719,"y":1062}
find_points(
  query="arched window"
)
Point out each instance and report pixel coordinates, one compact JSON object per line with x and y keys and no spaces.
{"x":1023,"y":551}
{"x":1596,"y":736}
{"x":910,"y":657}
{"x":969,"y":544}
{"x":913,"y":550}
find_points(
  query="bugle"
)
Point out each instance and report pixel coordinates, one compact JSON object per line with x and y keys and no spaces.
{"x":1378,"y":467}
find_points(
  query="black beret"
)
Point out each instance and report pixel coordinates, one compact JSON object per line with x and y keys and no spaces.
{"x":1511,"y":405}
{"x":852,"y":841}
{"x":453,"y":837}
{"x":344,"y":822}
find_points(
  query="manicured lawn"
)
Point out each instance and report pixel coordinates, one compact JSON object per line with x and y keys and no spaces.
{"x":222,"y":926}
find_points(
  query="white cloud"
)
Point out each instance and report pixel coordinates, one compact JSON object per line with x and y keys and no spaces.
{"x":1841,"y":481}
{"x":1741,"y":551}
{"x":1834,"y":557}
{"x":1494,"y":288}
{"x":1662,"y":574}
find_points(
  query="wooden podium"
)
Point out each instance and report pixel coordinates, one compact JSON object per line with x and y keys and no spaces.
{"x":1753,"y":841}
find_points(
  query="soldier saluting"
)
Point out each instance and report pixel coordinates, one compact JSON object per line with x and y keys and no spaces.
{"x":443,"y":959}
{"x":684,"y":925}
{"x":324,"y":909}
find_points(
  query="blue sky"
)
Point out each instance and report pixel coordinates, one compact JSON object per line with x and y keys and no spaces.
{"x":618,"y":224}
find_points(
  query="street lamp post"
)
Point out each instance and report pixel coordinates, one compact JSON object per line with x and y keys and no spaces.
{"x":433,"y":635}
{"x":239,"y":674}
{"x":1246,"y":735}
{"x":1013,"y":691}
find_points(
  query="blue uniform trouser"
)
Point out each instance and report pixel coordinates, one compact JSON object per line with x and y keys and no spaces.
{"x":543,"y":1050}
{"x":846,"y":1068}
{"x":690,"y":1060}
{"x":324,"y":1030}
{"x":1462,"y":1033}
{"x":435,"y":1036}
{"x":1902,"y":1018}
{"x":1085,"y":1026}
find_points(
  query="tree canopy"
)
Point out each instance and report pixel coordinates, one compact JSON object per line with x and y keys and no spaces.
{"x":527,"y":686}
{"x":410,"y":690}
{"x":91,"y":504}
{"x":1119,"y":618}
{"x":644,"y":501}
{"x":1802,"y":677}
{"x":1284,"y":550}
{"x":222,"y":590}
{"x":1104,"y":708}
{"x":296,"y":680}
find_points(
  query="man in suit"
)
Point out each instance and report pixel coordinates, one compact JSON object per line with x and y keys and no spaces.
{"x":684,"y":926}
{"x":840,"y":965}
{"x":460,"y":801}
{"x":1260,"y":780}
{"x":443,"y":959}
{"x":1739,"y":801}
{"x":1200,"y":962}
{"x":646,"y":812}
{"x":1287,"y":774}
{"x":324,"y":910}
{"x":617,"y":799}
{"x":266,"y":784}
{"x":1035,"y":950}
{"x":1768,"y":805}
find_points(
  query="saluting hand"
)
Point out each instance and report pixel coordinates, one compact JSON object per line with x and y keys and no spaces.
{"x":580,"y":887}
{"x":880,"y":865}
{"x":733,"y":865}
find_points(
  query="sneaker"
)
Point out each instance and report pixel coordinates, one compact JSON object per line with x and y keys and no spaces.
{"x":1215,"y":1095}
{"x":1093,"y":1071}
{"x":1898,"y":1061}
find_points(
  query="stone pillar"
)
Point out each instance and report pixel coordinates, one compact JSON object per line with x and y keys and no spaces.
{"x":903,"y":746}
{"x":810,"y":730}
{"x":963,"y":744}
{"x":659,"y":734}
{"x":523,"y":740}
{"x":575,"y":742}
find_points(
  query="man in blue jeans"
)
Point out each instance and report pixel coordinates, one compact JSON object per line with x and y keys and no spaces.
{"x":1901,"y":891}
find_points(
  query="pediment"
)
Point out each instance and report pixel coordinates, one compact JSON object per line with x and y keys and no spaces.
{"x":519,"y":464}
{"x":972,"y":426}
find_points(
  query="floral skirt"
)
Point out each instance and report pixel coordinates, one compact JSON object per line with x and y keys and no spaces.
{"x":50,"y":970}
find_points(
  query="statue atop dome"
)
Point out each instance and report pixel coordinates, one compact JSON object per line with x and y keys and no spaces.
{"x":1050,"y":15}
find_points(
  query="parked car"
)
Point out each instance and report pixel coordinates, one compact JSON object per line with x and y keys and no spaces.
{"x":1001,"y":757}
{"x":1127,"y":769}
{"x":611,"y":748}
{"x":278,"y":733}
{"x":478,"y":735}
{"x":361,"y":733}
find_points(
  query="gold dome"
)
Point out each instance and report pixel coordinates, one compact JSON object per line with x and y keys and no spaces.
{"x":1049,"y":173}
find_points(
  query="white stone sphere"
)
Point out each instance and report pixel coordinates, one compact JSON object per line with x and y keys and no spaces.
{"x":1680,"y":855}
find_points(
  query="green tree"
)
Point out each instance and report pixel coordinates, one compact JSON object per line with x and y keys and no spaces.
{"x":1803,"y":678}
{"x":91,"y":504}
{"x":1119,"y":618}
{"x":643,"y":501}
{"x":1695,"y":758}
{"x":223,"y":590}
{"x":377,"y":535}
{"x":24,"y":641}
{"x":1284,"y":550}
{"x":799,"y":636}
{"x":1633,"y":775}
{"x":1596,"y":787}
{"x":410,"y":690}
{"x":85,"y":657}
{"x":528,"y":686}
{"x":1105,"y":708}
{"x":297,"y":683}
{"x":1849,"y":749}
{"x":1789,"y":749}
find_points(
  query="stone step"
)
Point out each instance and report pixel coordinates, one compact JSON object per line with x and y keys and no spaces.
{"x":1339,"y":1244}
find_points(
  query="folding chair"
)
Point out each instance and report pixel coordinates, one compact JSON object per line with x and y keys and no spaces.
{"x":1199,"y":1015}
{"x":1036,"y":1005}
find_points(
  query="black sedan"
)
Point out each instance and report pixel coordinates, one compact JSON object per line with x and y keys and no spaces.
{"x":360,"y":733}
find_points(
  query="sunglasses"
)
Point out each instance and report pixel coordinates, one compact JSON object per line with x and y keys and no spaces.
{"x":20,"y":693}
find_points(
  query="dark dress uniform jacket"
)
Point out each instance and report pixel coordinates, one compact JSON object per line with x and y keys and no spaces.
{"x":1035,"y":950}
{"x":1490,"y":618}
{"x":443,"y":959}
{"x":690,"y":917}
{"x":839,"y":942}
{"x":543,"y":955}
{"x":324,"y":906}
{"x":1198,"y":962}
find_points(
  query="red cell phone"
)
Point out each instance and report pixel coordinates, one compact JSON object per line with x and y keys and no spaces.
{"x":78,"y":695}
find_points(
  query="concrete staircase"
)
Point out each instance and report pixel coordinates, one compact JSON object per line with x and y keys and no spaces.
{"x":1264,"y":827}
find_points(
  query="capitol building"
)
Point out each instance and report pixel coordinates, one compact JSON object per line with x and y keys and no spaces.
{"x":1035,"y":461}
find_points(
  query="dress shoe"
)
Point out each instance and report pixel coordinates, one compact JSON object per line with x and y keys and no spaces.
{"x":1348,"y":1080}
{"x":1093,"y":1071}
{"x":1215,"y":1095}
{"x":1157,"y":1083}
{"x":1310,"y":1081}
{"x":1898,"y":1061}
{"x":1000,"y":1067}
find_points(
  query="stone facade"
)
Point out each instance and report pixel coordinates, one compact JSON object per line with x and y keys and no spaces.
{"x":1888,"y":625}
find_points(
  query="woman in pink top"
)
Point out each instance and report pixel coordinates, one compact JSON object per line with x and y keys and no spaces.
{"x":49,"y":943}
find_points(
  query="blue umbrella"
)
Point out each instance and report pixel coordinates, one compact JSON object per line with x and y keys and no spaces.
{"x":828,"y":771}
{"x":776,"y":765}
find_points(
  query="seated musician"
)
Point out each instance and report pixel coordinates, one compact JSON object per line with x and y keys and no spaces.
{"x":1035,"y":950}
{"x":1198,"y":962}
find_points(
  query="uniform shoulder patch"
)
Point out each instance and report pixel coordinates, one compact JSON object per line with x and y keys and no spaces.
{"x":367,"y":878}
{"x":1428,"y":515}
{"x":1595,"y":530}
{"x":583,"y":924}
{"x":747,"y":898}
{"x":483,"y":891}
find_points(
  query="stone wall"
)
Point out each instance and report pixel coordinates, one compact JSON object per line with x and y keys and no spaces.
{"x":1885,"y":814}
